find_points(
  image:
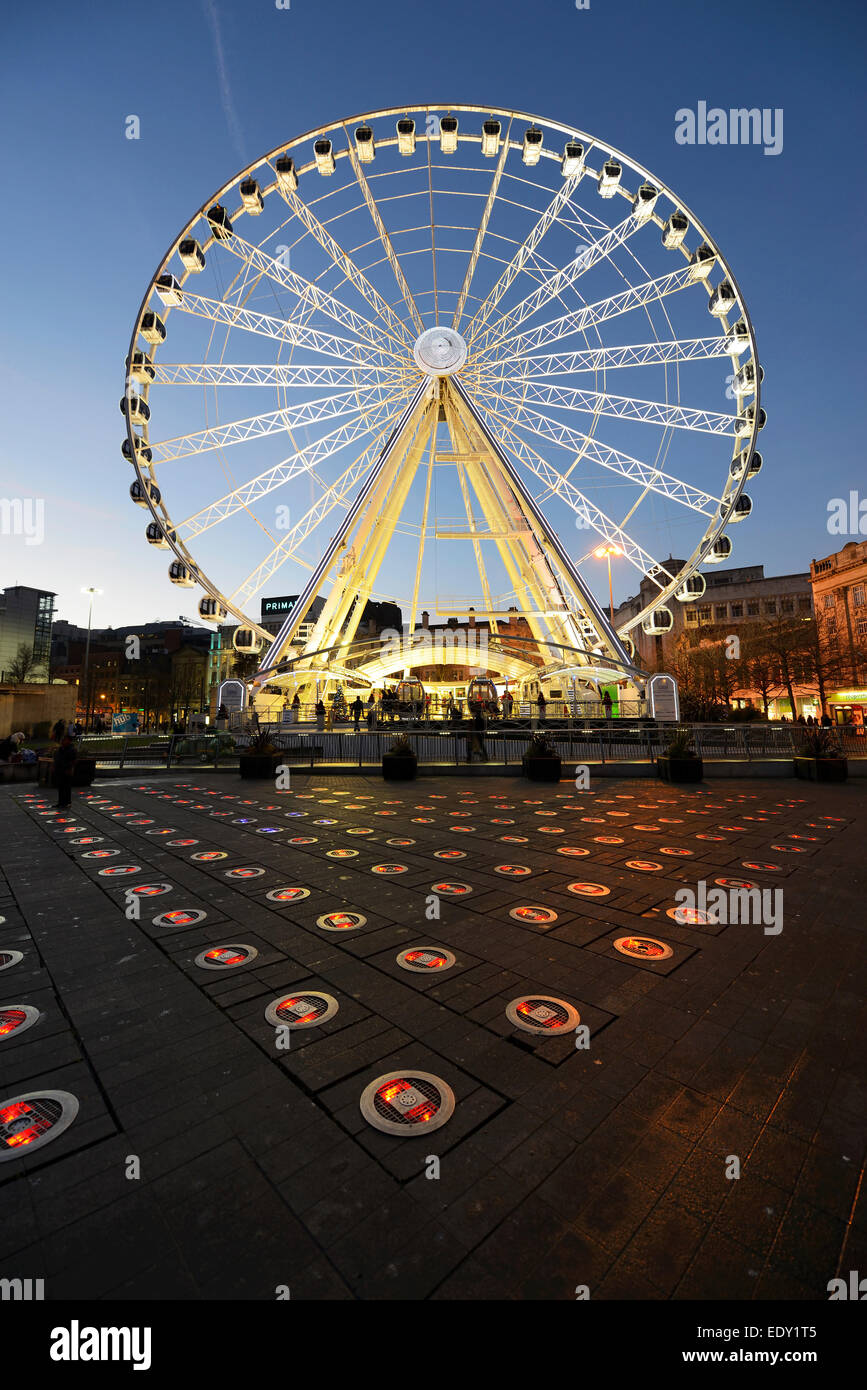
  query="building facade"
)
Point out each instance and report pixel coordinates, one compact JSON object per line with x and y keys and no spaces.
{"x":26,"y":617}
{"x":839,"y":584}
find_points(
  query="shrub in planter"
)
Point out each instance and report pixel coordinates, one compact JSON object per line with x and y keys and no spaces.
{"x":680,"y":762}
{"x":259,"y":759}
{"x":399,"y":761}
{"x":819,"y":758}
{"x":541,"y":761}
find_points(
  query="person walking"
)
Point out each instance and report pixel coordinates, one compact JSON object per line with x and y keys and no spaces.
{"x":606,"y":704}
{"x":58,"y":731}
{"x":371,"y":712}
{"x":357,"y":709}
{"x":507,"y":704}
{"x":64,"y":767}
{"x":543,"y":705}
{"x":320,"y":715}
{"x":476,"y":740}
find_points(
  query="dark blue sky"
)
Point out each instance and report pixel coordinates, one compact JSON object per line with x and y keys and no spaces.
{"x":215,"y":84}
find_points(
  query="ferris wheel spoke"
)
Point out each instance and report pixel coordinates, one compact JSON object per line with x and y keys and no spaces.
{"x":265,"y":325}
{"x":593,"y":516}
{"x":582,"y":320}
{"x":555,"y":285}
{"x":299,"y":462}
{"x":292,"y":374}
{"x":521,"y":258}
{"x":334,"y":496}
{"x":620,"y":407}
{"x":254,"y":427}
{"x":311,"y":296}
{"x":643,"y":475}
{"x":345,"y":262}
{"x":405,"y":291}
{"x":605,"y":358}
{"x":482,"y":231}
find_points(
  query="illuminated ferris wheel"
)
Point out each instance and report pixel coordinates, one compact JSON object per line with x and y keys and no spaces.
{"x":431,"y":326}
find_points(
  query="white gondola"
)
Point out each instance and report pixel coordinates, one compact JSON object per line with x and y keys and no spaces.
{"x":719,"y":551}
{"x":287,"y":177}
{"x":140,"y":492}
{"x":142,"y":368}
{"x":701,"y":262}
{"x":152,"y":328}
{"x":169,"y":290}
{"x":365,"y":145}
{"x":675,"y":230}
{"x":722,"y":301}
{"x":659,"y":621}
{"x":155,"y":535}
{"x":191,"y":254}
{"x":745,"y":379}
{"x":142,"y":453}
{"x":572,"y":163}
{"x":737,"y":339}
{"x":212,"y":611}
{"x":244,"y":639}
{"x":691,"y":589}
{"x":220,"y":223}
{"x":136,"y":410}
{"x":491,"y":138}
{"x":406,"y":135}
{"x":644,"y":202}
{"x":628,"y":643}
{"x":531,"y":152}
{"x":179,"y":574}
{"x":609,"y":180}
{"x":746,"y":462}
{"x":323,"y":153}
{"x":744,"y":423}
{"x":448,"y":134}
{"x":742,"y":508}
{"x":251,"y":197}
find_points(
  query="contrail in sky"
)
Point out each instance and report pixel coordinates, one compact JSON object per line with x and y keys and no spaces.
{"x":225,"y":91}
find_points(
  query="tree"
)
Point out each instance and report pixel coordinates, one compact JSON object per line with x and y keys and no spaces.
{"x":23,"y":665}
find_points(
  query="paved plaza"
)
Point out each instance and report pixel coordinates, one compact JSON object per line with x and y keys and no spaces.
{"x":599,"y":1153}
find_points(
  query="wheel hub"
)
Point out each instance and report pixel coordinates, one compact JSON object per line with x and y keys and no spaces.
{"x":440,"y":351}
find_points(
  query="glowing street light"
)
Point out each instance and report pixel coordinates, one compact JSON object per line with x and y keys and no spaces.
{"x":603,"y":552}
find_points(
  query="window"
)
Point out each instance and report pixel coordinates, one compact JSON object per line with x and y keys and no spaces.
{"x":862,"y":627}
{"x":804,"y":604}
{"x":753,"y":608}
{"x":737,"y":610}
{"x":858,"y":595}
{"x":770,"y":605}
{"x":829,"y":601}
{"x":691,"y":616}
{"x":704,"y":614}
{"x":721,"y":611}
{"x":788,"y":605}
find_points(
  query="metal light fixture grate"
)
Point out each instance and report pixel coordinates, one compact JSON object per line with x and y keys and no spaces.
{"x":407,"y":1104}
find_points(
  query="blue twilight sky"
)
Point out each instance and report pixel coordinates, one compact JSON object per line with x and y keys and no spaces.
{"x":215,"y":84}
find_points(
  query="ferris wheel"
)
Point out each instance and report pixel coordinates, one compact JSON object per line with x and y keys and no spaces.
{"x":432,"y":325}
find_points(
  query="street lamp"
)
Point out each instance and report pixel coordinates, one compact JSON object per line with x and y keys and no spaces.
{"x":91,"y":591}
{"x":604,"y":552}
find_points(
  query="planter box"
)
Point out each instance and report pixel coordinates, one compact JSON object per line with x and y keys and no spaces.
{"x":82,"y":775}
{"x":821,"y":769}
{"x":680,"y":769}
{"x":541,"y":769}
{"x":258,"y":766}
{"x":399,"y":767}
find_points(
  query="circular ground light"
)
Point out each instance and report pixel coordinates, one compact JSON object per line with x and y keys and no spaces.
{"x":89,"y":840}
{"x":676,"y":853}
{"x":644,"y":866}
{"x":705,"y":836}
{"x":643,"y":947}
{"x":243,"y":873}
{"x":341,"y":854}
{"x":758,"y":867}
{"x":450,"y":854}
{"x":207,"y":856}
{"x":589,"y":890}
{"x":17,"y":1018}
{"x":181,"y":844}
{"x":514,"y":840}
{"x":287,"y":895}
{"x":180,"y":917}
{"x":607,"y":839}
{"x":512,"y":870}
{"x":399,"y":844}
{"x":358,"y":830}
{"x":30,"y":1121}
{"x":100,"y":853}
{"x":302,"y":840}
{"x":541,"y":1013}
{"x":735,"y":883}
{"x":406,"y":1105}
{"x":692,"y":916}
{"x":9,"y":958}
{"x":388,"y":869}
{"x":551,"y":830}
{"x":119,"y":870}
{"x":572,"y":850}
{"x":788,"y":849}
{"x":306,"y":1010}
{"x":450,"y":889}
{"x":340,"y":921}
{"x":225,"y":957}
{"x":529,"y":912}
{"x":462,"y":829}
{"x":150,"y":890}
{"x":424,"y":960}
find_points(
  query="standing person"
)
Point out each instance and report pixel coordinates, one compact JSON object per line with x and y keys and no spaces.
{"x":58,"y":731}
{"x":371,"y":712}
{"x":356,"y":712}
{"x":64,"y":766}
{"x":476,"y":741}
{"x":507,"y":704}
{"x":295,"y":708}
{"x":320,"y":715}
{"x":543,"y":705}
{"x":606,"y":704}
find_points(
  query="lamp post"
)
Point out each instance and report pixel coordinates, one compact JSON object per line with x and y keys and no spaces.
{"x":604,"y":552}
{"x":91,"y":591}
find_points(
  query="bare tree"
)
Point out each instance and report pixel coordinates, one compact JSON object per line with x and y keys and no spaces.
{"x":22,"y":666}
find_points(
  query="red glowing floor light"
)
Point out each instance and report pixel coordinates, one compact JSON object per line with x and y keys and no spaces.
{"x":29,"y":1121}
{"x":17,"y":1018}
{"x":407,"y":1104}
{"x":541,"y":1013}
{"x":425,"y":959}
{"x":227,"y":957}
{"x":307,"y":1010}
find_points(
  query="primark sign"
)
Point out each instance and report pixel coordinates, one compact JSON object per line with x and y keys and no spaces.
{"x":278,"y":607}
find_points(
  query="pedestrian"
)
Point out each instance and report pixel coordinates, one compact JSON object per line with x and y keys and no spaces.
{"x":476,"y":740}
{"x":320,"y":715}
{"x":357,"y":709}
{"x":58,"y":731}
{"x":507,"y":704}
{"x":371,"y":712}
{"x":606,"y":704}
{"x":801,"y":719}
{"x":64,"y":767}
{"x":542,"y":704}
{"x":295,"y":709}
{"x":826,"y":721}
